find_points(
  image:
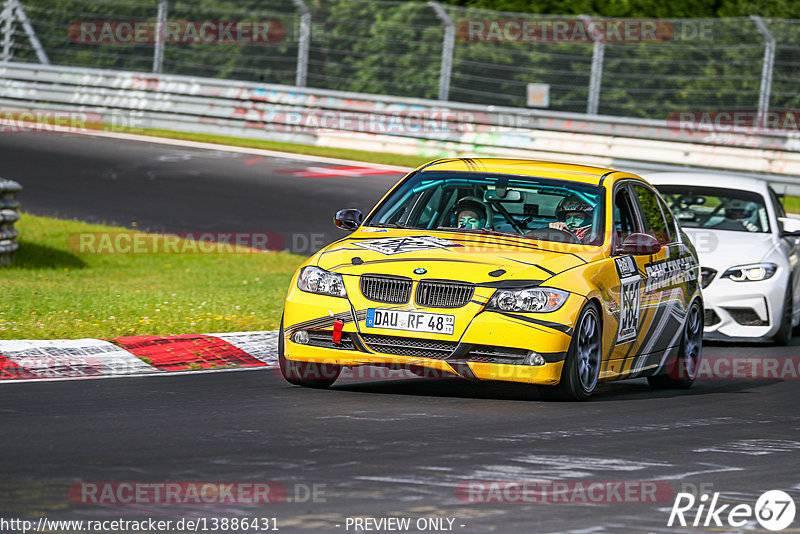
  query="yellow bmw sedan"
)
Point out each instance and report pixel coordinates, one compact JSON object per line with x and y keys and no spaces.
{"x":557,"y":275}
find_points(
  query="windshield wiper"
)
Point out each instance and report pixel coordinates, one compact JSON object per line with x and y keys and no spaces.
{"x":390,"y":225}
{"x":487,"y":231}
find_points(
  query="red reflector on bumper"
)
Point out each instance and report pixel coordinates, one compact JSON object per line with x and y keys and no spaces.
{"x":338,"y":324}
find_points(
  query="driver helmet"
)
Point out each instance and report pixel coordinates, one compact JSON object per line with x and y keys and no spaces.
{"x":737,"y":209}
{"x":472,"y":213}
{"x":570,"y":209}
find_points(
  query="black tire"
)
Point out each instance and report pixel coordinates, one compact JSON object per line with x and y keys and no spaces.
{"x":681,"y":371}
{"x":582,"y":365}
{"x":306,"y":374}
{"x":785,"y":332}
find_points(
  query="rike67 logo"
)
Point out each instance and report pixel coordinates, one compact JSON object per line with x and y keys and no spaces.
{"x":774,"y":510}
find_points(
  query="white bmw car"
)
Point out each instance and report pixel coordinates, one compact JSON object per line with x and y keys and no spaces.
{"x":748,"y":250}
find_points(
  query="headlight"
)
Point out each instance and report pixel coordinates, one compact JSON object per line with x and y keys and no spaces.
{"x":316,"y":280}
{"x":751,"y":273}
{"x":527,"y":300}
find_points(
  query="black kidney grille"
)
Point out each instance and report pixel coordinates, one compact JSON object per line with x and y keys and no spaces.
{"x":435,"y":294}
{"x":387,"y":289}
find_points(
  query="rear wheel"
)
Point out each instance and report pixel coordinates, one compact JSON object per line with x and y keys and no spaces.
{"x":784,"y":335}
{"x":306,"y":374}
{"x":682,"y":370}
{"x":582,"y":365}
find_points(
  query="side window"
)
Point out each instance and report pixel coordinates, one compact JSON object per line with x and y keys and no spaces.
{"x":776,"y":200}
{"x":624,"y":218}
{"x":654,"y":221}
{"x":672,"y":228}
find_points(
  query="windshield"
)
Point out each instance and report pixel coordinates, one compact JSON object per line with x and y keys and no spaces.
{"x":537,"y":208}
{"x":720,"y":209}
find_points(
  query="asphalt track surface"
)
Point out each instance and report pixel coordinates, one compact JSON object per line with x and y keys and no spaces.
{"x":375,"y":448}
{"x":164,"y":188}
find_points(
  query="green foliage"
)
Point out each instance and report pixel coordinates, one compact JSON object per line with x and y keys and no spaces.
{"x":645,"y":8}
{"x":395,"y":48}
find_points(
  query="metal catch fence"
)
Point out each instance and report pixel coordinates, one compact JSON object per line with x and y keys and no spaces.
{"x":618,"y":67}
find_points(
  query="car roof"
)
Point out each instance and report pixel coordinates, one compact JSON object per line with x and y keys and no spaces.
{"x":708,"y":179}
{"x":528,"y":167}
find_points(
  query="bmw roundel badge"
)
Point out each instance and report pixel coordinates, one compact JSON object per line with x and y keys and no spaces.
{"x":420,"y":270}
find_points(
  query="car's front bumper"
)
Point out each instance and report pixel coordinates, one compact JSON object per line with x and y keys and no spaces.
{"x":744,"y":310}
{"x":485,"y":345}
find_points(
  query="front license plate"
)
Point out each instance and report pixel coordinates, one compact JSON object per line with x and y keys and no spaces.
{"x":433,"y":323}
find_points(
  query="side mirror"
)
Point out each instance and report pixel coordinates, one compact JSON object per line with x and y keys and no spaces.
{"x":789,"y":226}
{"x":348,"y":219}
{"x":640,"y":244}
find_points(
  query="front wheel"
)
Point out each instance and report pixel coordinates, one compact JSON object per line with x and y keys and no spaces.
{"x":306,"y":374}
{"x":682,"y":370}
{"x":582,"y":365}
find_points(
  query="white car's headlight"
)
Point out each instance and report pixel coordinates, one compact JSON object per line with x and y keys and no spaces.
{"x":751,"y":273}
{"x":527,"y":300}
{"x":322,"y":282}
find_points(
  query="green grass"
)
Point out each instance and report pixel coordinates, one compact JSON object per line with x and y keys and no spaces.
{"x":791,"y":204}
{"x":51,"y":291}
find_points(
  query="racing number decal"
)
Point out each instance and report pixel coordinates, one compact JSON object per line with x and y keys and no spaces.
{"x":629,"y":310}
{"x":629,"y":297}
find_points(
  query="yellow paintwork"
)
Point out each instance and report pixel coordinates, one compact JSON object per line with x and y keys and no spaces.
{"x":587,"y":272}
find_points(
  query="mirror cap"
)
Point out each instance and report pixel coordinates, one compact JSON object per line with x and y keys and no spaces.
{"x":348,"y":219}
{"x":639,"y":244}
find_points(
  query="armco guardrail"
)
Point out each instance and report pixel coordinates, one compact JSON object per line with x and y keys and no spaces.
{"x":9,"y":214}
{"x":388,"y":124}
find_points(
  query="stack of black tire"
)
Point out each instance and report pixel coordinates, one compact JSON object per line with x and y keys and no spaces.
{"x":9,"y":214}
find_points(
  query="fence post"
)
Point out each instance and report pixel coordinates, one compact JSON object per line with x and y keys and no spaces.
{"x":303,"y":43}
{"x":158,"y":55}
{"x":26,"y":25}
{"x":7,"y":19}
{"x":448,"y":46}
{"x":766,"y":70}
{"x":596,"y":76}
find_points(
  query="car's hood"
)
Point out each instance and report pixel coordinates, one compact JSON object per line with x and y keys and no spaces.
{"x":722,"y":249}
{"x":470,"y":257}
